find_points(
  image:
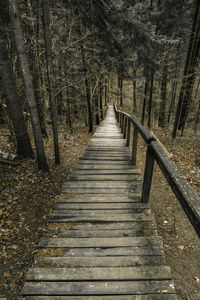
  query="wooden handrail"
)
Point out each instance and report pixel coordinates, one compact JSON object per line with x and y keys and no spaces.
{"x":188,"y":199}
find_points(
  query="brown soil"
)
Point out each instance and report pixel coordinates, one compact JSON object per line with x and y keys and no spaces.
{"x":27,"y":198}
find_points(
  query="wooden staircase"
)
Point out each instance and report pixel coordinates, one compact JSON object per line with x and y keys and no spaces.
{"x":102,"y":241}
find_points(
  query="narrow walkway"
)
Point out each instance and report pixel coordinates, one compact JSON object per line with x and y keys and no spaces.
{"x":102,"y":242}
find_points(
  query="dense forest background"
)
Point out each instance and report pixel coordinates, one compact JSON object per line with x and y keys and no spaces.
{"x":65,"y":60}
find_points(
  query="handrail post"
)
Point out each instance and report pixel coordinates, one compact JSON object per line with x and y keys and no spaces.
{"x":125,"y":126}
{"x":148,"y":174}
{"x":134,"y":146}
{"x":128,"y":133}
{"x":122,"y":125}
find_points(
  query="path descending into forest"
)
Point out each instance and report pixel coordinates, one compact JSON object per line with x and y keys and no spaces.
{"x":102,"y":241}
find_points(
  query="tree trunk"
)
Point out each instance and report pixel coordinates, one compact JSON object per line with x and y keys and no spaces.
{"x":174,"y":87}
{"x":106,"y":90}
{"x":101,"y":98}
{"x":16,"y":27}
{"x":189,"y":73}
{"x":146,"y":88}
{"x":85,"y":71}
{"x":38,"y":79}
{"x":134,"y":90}
{"x":163,"y":103}
{"x":150,"y":99}
{"x":48,"y":54}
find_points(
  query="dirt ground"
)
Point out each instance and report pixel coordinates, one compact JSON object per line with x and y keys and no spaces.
{"x":28,"y":197}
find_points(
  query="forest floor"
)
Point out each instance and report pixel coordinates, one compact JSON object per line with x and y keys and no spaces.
{"x":28,"y":197}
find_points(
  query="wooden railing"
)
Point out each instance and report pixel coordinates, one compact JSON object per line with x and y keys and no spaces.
{"x":188,"y":199}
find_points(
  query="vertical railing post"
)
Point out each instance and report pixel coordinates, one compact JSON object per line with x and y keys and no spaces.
{"x":122,"y":126}
{"x":120,"y":120}
{"x":148,"y":173}
{"x":128,"y":133}
{"x":134,"y":146}
{"x":125,"y":126}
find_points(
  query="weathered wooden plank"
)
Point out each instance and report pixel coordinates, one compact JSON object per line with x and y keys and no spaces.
{"x":138,"y":226}
{"x":92,"y":197}
{"x":101,"y":233}
{"x":103,"y":177}
{"x":97,"y":206}
{"x":153,"y":250}
{"x":104,"y":273}
{"x":122,"y":172}
{"x":98,"y":212}
{"x":111,"y":261}
{"x":102,"y":184}
{"x":120,"y":297}
{"x":99,"y":172}
{"x":100,"y":166}
{"x":100,"y":218}
{"x":100,"y":242}
{"x":104,"y":162}
{"x":103,"y":190}
{"x":99,"y":288}
{"x":86,"y":158}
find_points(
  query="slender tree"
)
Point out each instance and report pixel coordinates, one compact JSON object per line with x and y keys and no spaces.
{"x":18,"y":36}
{"x":48,"y":55}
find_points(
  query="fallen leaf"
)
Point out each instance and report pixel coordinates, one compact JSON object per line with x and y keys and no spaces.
{"x":181,"y":247}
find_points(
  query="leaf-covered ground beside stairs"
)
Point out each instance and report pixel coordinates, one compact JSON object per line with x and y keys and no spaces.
{"x":26,"y":201}
{"x":181,"y":243}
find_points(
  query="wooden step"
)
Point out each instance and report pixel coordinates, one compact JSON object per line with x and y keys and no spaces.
{"x":115,"y":297}
{"x":99,"y":288}
{"x":101,"y":242}
{"x":108,"y":261}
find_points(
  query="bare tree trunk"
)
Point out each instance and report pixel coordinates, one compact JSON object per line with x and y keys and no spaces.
{"x":101,"y":98}
{"x":146,"y":88}
{"x":85,"y":71}
{"x":163,"y":103}
{"x":150,"y":99}
{"x":17,"y":30}
{"x":106,"y":90}
{"x":134,"y":90}
{"x":48,"y":54}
